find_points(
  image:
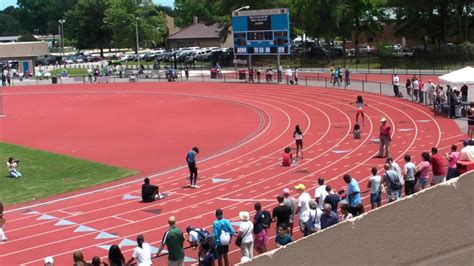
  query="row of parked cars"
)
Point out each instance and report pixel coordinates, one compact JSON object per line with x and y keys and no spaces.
{"x":70,"y":59}
{"x":326,"y":50}
{"x":187,"y":55}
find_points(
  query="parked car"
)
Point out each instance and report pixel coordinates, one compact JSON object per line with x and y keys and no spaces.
{"x":402,"y":52}
{"x":318,"y":52}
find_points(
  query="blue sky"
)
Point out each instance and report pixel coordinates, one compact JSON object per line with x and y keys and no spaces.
{"x":5,"y":3}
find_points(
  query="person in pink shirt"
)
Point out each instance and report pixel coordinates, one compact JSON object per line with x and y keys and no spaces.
{"x":452,"y":158}
{"x":287,"y":157}
{"x":423,"y":170}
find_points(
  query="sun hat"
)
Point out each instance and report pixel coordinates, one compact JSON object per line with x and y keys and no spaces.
{"x":48,"y":260}
{"x":244,"y":216}
{"x":383,"y":119}
{"x":286,"y":191}
{"x":300,"y":187}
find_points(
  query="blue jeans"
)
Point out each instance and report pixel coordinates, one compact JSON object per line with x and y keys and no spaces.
{"x":15,"y":173}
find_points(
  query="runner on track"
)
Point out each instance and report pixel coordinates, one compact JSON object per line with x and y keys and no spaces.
{"x":360,"y":109}
{"x":193,"y":170}
{"x":298,"y":136}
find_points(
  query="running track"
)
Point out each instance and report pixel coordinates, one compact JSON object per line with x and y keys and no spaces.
{"x":246,"y":130}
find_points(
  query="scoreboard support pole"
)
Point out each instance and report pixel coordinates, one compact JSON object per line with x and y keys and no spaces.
{"x":279,"y":74}
{"x":250,"y":61}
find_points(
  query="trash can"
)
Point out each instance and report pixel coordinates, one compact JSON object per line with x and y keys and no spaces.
{"x":242,"y":74}
{"x":213,"y":73}
{"x":54,"y":80}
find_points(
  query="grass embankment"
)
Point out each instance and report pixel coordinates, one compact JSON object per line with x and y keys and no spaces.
{"x":46,"y":174}
{"x":73,"y":72}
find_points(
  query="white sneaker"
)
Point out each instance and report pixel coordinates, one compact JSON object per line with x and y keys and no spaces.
{"x":196,"y":186}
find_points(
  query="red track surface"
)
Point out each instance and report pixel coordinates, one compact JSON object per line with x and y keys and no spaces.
{"x":241,"y":130}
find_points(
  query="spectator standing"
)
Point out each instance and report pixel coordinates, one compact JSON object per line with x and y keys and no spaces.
{"x":314,"y":218}
{"x":409,"y":88}
{"x":346,"y":215}
{"x":439,"y":173}
{"x":396,"y":84}
{"x":423,"y":170}
{"x":416,"y":88}
{"x":261,"y":236}
{"x":464,"y":90}
{"x":116,"y":257}
{"x":421,"y":91}
{"x":394,"y":166}
{"x":320,"y":193}
{"x":353,"y":195}
{"x":470,"y":121}
{"x":332,"y":198}
{"x":142,"y":253}
{"x":452,"y":158}
{"x":220,"y":228}
{"x":283,"y":238}
{"x":281,"y":214}
{"x":328,"y":218}
{"x":375,"y":185}
{"x":303,"y":206}
{"x":3,"y":236}
{"x":431,"y":91}
{"x":291,"y":203}
{"x":409,"y":170}
{"x":385,"y":138}
{"x":186,"y":73}
{"x":174,"y":240}
{"x":289,"y":75}
{"x":78,"y":259}
{"x":347,"y":77}
{"x":193,"y":170}
{"x":245,"y":232}
{"x":337,"y":73}
{"x":295,"y":75}
{"x":393,"y":183}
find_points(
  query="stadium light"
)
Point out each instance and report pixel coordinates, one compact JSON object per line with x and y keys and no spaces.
{"x":242,"y":8}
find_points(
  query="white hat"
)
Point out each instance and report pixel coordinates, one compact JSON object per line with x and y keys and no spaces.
{"x":48,"y":260}
{"x":244,"y":216}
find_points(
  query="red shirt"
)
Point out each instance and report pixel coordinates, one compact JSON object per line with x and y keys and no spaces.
{"x":385,"y":130}
{"x":286,"y":159}
{"x":437,"y":165}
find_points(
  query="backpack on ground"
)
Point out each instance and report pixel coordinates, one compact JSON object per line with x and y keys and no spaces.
{"x":267,"y":219}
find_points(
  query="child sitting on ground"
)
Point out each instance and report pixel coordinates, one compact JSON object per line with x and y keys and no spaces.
{"x":283,"y":238}
{"x":287,"y":157}
{"x":356,"y":131}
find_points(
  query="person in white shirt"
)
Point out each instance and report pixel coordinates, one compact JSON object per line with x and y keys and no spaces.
{"x":431,"y":91}
{"x":320,"y":193}
{"x":289,"y":76}
{"x":410,"y":170}
{"x":303,"y":205}
{"x":394,"y":166}
{"x":467,"y":153}
{"x":12,"y":164}
{"x":141,"y":253}
{"x":245,"y":231}
{"x":416,"y":88}
{"x":396,"y":84}
{"x":375,"y":185}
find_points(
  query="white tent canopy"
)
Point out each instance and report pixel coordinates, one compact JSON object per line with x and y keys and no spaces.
{"x":459,"y":77}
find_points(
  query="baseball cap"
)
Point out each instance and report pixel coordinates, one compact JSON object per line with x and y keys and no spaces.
{"x":300,"y":187}
{"x":383,"y":119}
{"x":286,"y":191}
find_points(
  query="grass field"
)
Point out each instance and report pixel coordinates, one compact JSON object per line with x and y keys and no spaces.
{"x":46,"y":174}
{"x":73,"y":72}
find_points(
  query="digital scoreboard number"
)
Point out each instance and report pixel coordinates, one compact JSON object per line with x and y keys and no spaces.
{"x":261,"y":32}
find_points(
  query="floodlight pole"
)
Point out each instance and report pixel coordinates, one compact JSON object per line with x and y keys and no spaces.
{"x":61,"y":22}
{"x":138,"y":47}
{"x":235,"y":54}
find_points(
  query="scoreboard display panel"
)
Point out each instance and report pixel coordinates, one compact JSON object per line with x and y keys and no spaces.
{"x":261,"y":32}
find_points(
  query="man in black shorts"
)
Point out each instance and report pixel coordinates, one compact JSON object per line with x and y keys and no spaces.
{"x":149,"y":192}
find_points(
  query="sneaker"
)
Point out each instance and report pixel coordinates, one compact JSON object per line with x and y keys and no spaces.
{"x":196,"y":186}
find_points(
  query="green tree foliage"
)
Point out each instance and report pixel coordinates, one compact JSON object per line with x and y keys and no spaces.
{"x":86,"y":27}
{"x":9,"y":25}
{"x":122,"y":16}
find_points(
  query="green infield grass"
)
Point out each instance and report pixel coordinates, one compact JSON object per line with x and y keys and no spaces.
{"x":45,"y":174}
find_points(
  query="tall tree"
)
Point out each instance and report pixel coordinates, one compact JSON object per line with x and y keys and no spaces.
{"x":86,"y":26}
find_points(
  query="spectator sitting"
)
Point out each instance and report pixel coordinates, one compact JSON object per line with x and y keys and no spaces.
{"x":287,"y":157}
{"x":150,"y":192}
{"x":12,"y":164}
{"x":467,"y":153}
{"x":356,"y":131}
{"x":283,"y":238}
{"x":328,"y":218}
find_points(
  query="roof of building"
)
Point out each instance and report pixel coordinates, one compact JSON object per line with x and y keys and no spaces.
{"x":197,"y":31}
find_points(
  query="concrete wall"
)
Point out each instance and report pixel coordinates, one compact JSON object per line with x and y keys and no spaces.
{"x":433,"y":227}
{"x":23,"y":49}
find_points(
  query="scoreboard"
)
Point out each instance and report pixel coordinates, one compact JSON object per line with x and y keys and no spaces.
{"x":261,"y":32}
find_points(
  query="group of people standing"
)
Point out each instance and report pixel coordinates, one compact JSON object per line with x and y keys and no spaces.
{"x":338,"y":76}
